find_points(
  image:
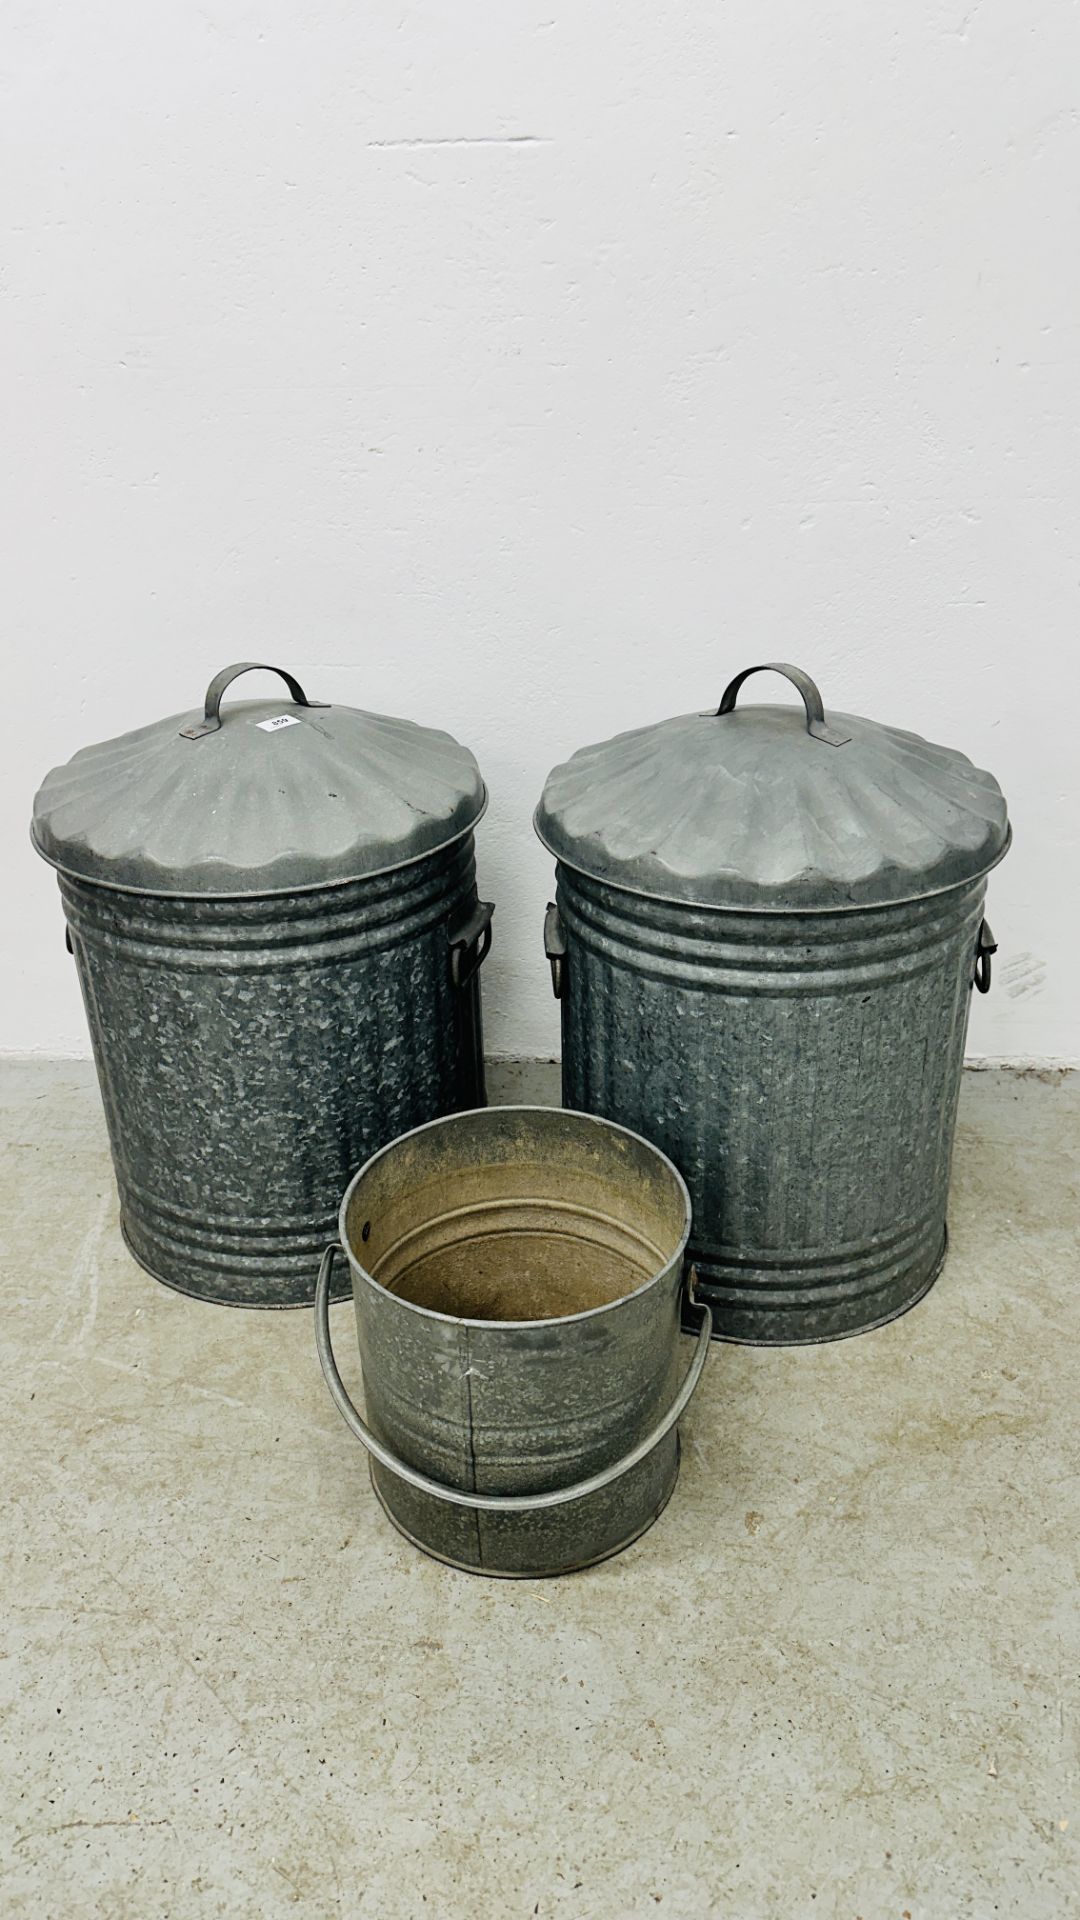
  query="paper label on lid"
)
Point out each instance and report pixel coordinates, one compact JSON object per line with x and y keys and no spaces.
{"x":280,"y":720}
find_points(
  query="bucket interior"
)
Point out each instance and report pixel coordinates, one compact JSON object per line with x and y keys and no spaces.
{"x":516,"y":1214}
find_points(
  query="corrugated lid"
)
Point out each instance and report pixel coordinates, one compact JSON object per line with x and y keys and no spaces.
{"x":774,"y":808}
{"x":264,"y":796}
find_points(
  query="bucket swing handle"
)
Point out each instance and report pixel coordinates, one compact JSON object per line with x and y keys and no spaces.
{"x":495,"y":1502}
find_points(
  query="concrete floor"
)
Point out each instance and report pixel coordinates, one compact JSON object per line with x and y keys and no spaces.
{"x":838,"y":1678}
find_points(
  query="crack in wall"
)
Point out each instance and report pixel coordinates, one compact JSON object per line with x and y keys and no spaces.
{"x":465,"y":140}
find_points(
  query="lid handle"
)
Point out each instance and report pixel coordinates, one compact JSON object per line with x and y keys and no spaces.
{"x":211,"y":719}
{"x":811,"y":699}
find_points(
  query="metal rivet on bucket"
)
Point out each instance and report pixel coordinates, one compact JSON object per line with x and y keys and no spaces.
{"x":272,"y":907}
{"x":767,"y":927}
{"x":517,"y":1277}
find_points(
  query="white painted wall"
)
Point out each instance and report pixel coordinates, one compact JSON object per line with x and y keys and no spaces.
{"x":527,"y":370}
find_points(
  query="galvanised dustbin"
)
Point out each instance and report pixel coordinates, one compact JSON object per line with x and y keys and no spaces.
{"x":767,"y":926}
{"x":517,"y":1276}
{"x":273,"y":912}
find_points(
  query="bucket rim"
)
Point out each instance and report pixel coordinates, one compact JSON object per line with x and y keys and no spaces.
{"x":674,"y":1261}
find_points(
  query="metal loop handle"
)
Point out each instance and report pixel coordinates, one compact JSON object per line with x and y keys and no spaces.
{"x":493,"y":1502}
{"x":985,"y":946}
{"x":472,"y":935}
{"x":555,"y":948}
{"x":211,"y":719}
{"x":811,"y":699}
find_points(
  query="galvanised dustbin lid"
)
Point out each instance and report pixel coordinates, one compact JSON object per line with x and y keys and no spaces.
{"x":261,"y":796}
{"x":774,"y":809}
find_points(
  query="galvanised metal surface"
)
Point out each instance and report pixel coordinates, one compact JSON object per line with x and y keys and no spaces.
{"x":261,"y":796}
{"x":802,"y":1074}
{"x":774,"y":809}
{"x":517,"y":1276}
{"x":765,"y":938}
{"x":274,"y":916}
{"x":252,"y":1053}
{"x":275,"y":922}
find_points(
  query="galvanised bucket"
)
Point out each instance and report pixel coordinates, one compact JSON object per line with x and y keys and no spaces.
{"x":274,"y":917}
{"x":764,"y":940}
{"x":517,"y":1278}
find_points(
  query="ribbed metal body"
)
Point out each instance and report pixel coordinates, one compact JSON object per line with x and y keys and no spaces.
{"x":524,"y":1411}
{"x":253,"y":1052}
{"x":511,"y":1208}
{"x":801,"y":1070}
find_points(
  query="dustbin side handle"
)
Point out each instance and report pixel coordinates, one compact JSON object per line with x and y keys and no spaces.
{"x":555,"y":948}
{"x":470,"y":942}
{"x":815,"y":712}
{"x":984,"y":947}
